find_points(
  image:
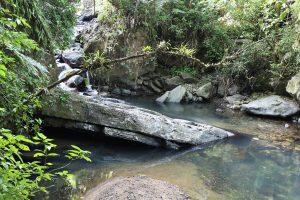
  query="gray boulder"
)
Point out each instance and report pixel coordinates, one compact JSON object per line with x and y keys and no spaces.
{"x":65,"y":73}
{"x":62,"y":67}
{"x":125,"y":92}
{"x":275,"y":106}
{"x":293,"y":87}
{"x":117,"y":91}
{"x":87,"y":16}
{"x":75,"y":81}
{"x":206,"y":91}
{"x":235,"y":98}
{"x":234,"y":89}
{"x":176,"y":95}
{"x":73,"y":56}
{"x":115,"y":114}
{"x":163,"y":98}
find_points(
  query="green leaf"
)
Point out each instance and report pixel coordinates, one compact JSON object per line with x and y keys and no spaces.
{"x":38,"y":155}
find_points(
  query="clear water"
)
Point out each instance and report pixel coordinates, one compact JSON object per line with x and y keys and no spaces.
{"x":238,"y":168}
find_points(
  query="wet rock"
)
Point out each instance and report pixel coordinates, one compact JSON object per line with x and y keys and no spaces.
{"x":136,"y":188}
{"x":125,"y":92}
{"x":65,"y":73}
{"x":116,"y":114}
{"x":73,"y":56}
{"x":90,"y":91}
{"x":176,"y":95}
{"x":293,"y":87}
{"x":116,"y":91}
{"x":234,"y":106}
{"x":105,"y":88}
{"x":87,"y":16}
{"x":75,"y":81}
{"x":206,"y":91}
{"x":62,"y":67}
{"x":275,"y":106}
{"x":163,"y":98}
{"x":235,"y":99}
{"x":219,"y":110}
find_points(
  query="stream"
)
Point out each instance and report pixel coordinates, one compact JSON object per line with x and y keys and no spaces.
{"x":246,"y":166}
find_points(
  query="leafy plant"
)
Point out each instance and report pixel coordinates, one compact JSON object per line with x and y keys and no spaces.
{"x":176,"y":71}
{"x":20,"y":75}
{"x":185,"y":50}
{"x":20,"y":179}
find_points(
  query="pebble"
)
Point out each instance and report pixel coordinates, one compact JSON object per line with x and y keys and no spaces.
{"x":219,"y":110}
{"x":286,"y":125}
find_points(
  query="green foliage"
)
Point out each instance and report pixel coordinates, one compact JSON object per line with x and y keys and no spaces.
{"x":95,"y":59}
{"x":185,"y":50}
{"x":264,"y":33}
{"x":192,"y":22}
{"x":51,"y":21}
{"x":20,"y":75}
{"x":176,"y":71}
{"x":147,"y":49}
{"x":20,"y":179}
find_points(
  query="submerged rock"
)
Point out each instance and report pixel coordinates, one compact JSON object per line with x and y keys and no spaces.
{"x":275,"y":106}
{"x":293,"y":87}
{"x":115,"y":114}
{"x":136,"y":188}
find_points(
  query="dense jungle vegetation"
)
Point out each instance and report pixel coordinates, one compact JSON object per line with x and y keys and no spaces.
{"x":256,"y":41}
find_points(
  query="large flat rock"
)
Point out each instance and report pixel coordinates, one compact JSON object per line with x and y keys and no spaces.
{"x":116,"y":114}
{"x":274,"y":106}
